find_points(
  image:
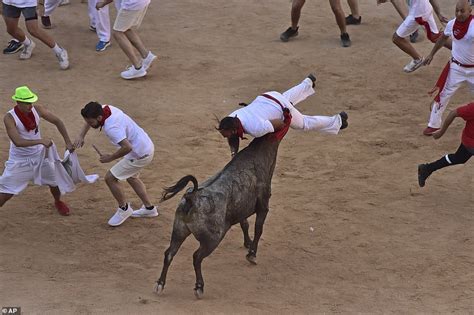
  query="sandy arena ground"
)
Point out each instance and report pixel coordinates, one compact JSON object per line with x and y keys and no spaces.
{"x":349,"y":230}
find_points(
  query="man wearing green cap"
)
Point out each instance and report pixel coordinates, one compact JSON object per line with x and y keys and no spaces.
{"x":26,"y":161}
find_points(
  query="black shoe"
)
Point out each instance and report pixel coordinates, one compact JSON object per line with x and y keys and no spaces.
{"x":344,"y":118}
{"x":414,"y":37}
{"x":350,"y":20}
{"x":423,"y":174}
{"x":345,"y":40}
{"x":312,"y":78}
{"x":14,"y":46}
{"x":46,"y":21}
{"x":286,"y":35}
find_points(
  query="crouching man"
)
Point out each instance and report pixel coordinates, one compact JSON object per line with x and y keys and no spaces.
{"x":135,"y":149}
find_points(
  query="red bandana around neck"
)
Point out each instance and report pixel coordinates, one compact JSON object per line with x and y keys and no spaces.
{"x":460,"y":28}
{"x":240,"y":130}
{"x":107,"y":113}
{"x":27,"y":119}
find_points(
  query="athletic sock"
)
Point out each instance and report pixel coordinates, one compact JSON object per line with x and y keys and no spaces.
{"x":27,"y":41}
{"x":434,"y":166}
{"x":57,"y":50}
{"x":150,"y":207}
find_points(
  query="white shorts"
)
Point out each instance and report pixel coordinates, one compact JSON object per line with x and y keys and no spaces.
{"x":128,"y":19}
{"x":409,"y":25}
{"x":18,"y":174}
{"x":126,"y":168}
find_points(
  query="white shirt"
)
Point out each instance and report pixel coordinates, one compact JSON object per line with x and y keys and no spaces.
{"x":134,"y":4}
{"x":463,"y":49}
{"x":255,"y":117}
{"x":23,"y":153}
{"x":420,"y":8}
{"x":119,"y":126}
{"x":22,"y":3}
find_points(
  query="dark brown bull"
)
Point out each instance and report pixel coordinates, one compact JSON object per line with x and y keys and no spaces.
{"x":208,"y":211}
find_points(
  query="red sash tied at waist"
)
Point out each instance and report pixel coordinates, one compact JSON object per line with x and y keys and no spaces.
{"x":439,"y":86}
{"x":286,"y":118}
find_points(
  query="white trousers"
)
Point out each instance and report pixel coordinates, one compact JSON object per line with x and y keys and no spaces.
{"x":50,"y":6}
{"x":100,"y":19}
{"x":457,"y":75}
{"x":323,"y":124}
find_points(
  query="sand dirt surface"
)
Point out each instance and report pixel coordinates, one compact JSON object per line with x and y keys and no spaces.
{"x":349,"y":230}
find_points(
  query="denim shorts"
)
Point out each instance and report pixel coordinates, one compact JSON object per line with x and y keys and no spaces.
{"x":11,"y":11}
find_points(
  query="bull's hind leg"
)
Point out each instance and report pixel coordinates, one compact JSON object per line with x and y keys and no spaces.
{"x":244,"y":224}
{"x":179,"y":234}
{"x":261,"y":214}
{"x":205,"y":249}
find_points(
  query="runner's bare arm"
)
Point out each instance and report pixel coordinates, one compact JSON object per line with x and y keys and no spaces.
{"x":125,"y":148}
{"x":447,"y":122}
{"x":55,"y":120}
{"x":234,"y":142}
{"x":17,"y":139}
{"x":437,"y":10}
{"x":79,"y":141}
{"x":439,"y":43}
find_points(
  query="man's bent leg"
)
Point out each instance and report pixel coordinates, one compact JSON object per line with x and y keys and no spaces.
{"x":62,"y":208}
{"x":140,"y":189}
{"x":300,"y":92}
{"x":136,"y":41}
{"x":115,"y":188}
{"x":127,"y":48}
{"x":296,"y":7}
{"x":455,"y":79}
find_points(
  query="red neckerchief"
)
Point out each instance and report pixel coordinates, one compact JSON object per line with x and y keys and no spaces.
{"x":286,"y":118}
{"x":460,"y":28}
{"x":107,"y":113}
{"x":240,"y":130}
{"x":28,"y":120}
{"x":433,"y":37}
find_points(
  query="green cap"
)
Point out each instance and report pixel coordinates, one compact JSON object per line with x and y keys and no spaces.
{"x":24,"y":94}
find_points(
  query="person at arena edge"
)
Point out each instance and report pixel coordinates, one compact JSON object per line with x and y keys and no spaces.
{"x":128,"y":20}
{"x":12,"y":9}
{"x":420,"y":13}
{"x":135,"y":151}
{"x":26,"y":161}
{"x":459,"y":69}
{"x":465,"y":149}
{"x":265,"y":115}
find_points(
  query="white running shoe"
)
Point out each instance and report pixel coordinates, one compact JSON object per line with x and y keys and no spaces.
{"x":27,"y":51}
{"x":120,"y":216}
{"x":132,"y":73}
{"x":413,"y":65}
{"x":148,"y":60}
{"x":145,"y":213}
{"x":63,"y":59}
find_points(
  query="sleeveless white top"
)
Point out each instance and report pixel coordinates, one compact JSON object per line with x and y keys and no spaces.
{"x":22,"y":153}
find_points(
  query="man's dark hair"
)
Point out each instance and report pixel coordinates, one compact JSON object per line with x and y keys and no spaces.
{"x":92,"y":110}
{"x":228,"y":123}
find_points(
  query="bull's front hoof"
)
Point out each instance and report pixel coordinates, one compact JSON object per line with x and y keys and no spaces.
{"x":252,"y":259}
{"x":198,"y":293}
{"x":158,"y":289}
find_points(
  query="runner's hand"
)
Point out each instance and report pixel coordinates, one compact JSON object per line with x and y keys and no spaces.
{"x":427,"y":60}
{"x":47,"y":142}
{"x":438,"y":134}
{"x":443,"y":19}
{"x":70,"y":147}
{"x":78,"y":143}
{"x":106,"y":158}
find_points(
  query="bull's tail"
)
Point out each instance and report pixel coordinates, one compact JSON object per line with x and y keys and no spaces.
{"x":169,"y":192}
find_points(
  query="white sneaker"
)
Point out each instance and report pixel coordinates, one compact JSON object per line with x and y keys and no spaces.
{"x":64,"y":2}
{"x":63,"y":59}
{"x":145,"y":213}
{"x":413,"y":65}
{"x":120,"y":216}
{"x":27,"y":51}
{"x":148,"y":60}
{"x":132,"y":73}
